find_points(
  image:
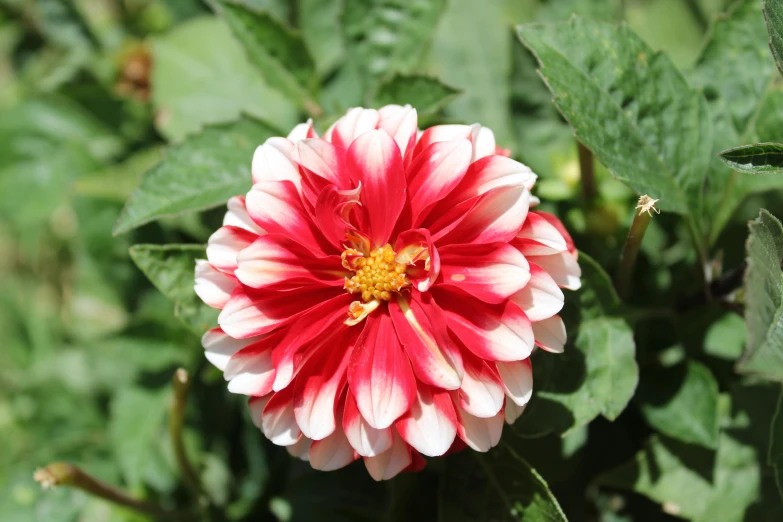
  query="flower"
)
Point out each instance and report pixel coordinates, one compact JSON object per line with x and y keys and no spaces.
{"x":382,"y":289}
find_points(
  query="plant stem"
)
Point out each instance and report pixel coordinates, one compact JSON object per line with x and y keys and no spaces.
{"x":181,"y":383}
{"x":587,"y":172}
{"x":632,"y":244}
{"x":64,"y":474}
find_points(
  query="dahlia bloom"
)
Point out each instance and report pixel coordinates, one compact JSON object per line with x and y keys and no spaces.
{"x":382,"y":288}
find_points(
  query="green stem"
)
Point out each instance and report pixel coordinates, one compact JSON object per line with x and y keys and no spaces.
{"x":64,"y":474}
{"x":181,"y":383}
{"x":587,"y":172}
{"x":632,"y":245}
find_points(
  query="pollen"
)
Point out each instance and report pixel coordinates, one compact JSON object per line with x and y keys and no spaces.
{"x":377,"y":276}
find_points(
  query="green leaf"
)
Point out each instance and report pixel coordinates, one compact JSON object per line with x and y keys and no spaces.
{"x":480,"y":66}
{"x":134,"y":426}
{"x":737,"y":74}
{"x":277,"y":51}
{"x":622,"y":99}
{"x":202,"y":77}
{"x":726,"y":337}
{"x":171,"y":270}
{"x":117,"y":182}
{"x":775,"y":456}
{"x":426,"y":94}
{"x":705,"y":486}
{"x":321,"y":25}
{"x":773,"y":14}
{"x":597,"y":297}
{"x":201,"y":172}
{"x":502,"y":487}
{"x":682,"y":402}
{"x":764,"y":299}
{"x":388,"y":36}
{"x":759,"y":158}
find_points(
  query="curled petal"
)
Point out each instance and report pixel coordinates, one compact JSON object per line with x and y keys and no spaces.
{"x":489,"y":272}
{"x":213,"y":286}
{"x":500,"y":332}
{"x":275,"y":258}
{"x":400,"y":123}
{"x":421,"y":327}
{"x":550,"y":334}
{"x":391,"y":462}
{"x":332,"y":212}
{"x":272,"y":162}
{"x":356,"y":122}
{"x":517,"y":377}
{"x":415,"y":248}
{"x":374,"y":161}
{"x":541,"y":298}
{"x":539,"y":237}
{"x":380,"y":374}
{"x":225,"y":245}
{"x":481,"y":434}
{"x":431,"y":423}
{"x":563,"y":268}
{"x":366,"y":440}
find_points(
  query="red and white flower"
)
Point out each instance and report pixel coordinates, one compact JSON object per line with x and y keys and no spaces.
{"x":382,"y":289}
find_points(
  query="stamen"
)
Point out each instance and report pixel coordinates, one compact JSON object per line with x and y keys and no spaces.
{"x":377,"y":276}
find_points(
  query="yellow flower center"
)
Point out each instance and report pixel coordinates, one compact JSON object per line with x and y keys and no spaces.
{"x":376,"y":276}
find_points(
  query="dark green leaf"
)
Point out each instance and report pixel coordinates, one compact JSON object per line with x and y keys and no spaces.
{"x":202,"y":77}
{"x":622,"y":99}
{"x":759,"y":158}
{"x":171,"y":270}
{"x":773,"y":13}
{"x":426,"y":94}
{"x":201,"y":172}
{"x":502,"y":487}
{"x":764,"y":299}
{"x":682,"y":402}
{"x":775,"y":457}
{"x":597,"y":296}
{"x":278,"y":52}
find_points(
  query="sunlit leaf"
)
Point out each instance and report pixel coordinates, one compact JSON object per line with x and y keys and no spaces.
{"x":760,"y":158}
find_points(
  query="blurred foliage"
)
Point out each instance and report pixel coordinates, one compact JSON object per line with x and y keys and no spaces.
{"x":643,"y":418}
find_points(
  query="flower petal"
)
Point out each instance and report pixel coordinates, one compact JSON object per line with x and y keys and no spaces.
{"x":560,"y":228}
{"x":251,"y":312}
{"x":213,"y":286}
{"x":356,"y":122}
{"x":481,"y":393}
{"x":421,"y":327}
{"x":415,"y":248}
{"x":541,"y":298}
{"x":225,"y":244}
{"x":483,"y":142}
{"x":438,"y":133}
{"x":322,"y":164}
{"x":513,"y":411}
{"x":391,"y":462}
{"x":272,"y":162}
{"x":400,"y":123}
{"x":319,"y":385}
{"x":302,"y":131}
{"x":435,"y":173}
{"x":500,"y":332}
{"x":333,"y":213}
{"x":489,"y":272}
{"x":366,"y":440}
{"x":250,"y":370}
{"x":277,"y":419}
{"x":277,"y":208}
{"x":237,"y":216}
{"x":431,"y":423}
{"x":563,"y":268}
{"x":380,"y":374}
{"x":219,"y":346}
{"x":300,"y":449}
{"x":486,"y":174}
{"x":550,"y":334}
{"x":539,"y":237}
{"x":517,"y":377}
{"x":374,"y":161}
{"x":275,"y":258}
{"x":481,"y":434}
{"x":333,"y":452}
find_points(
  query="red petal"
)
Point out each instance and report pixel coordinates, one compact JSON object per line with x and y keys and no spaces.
{"x":225,"y":245}
{"x":366,"y":440}
{"x":563,"y":268}
{"x":380,"y":374}
{"x":481,"y":393}
{"x":272,"y":162}
{"x":237,"y":216}
{"x":421,"y":327}
{"x":374,"y":161}
{"x":213,"y":286}
{"x":277,"y":419}
{"x":322,"y":165}
{"x":356,"y":122}
{"x":250,"y":370}
{"x":400,"y":122}
{"x":333,"y":213}
{"x":431,"y":424}
{"x":539,"y":237}
{"x":541,"y":297}
{"x":481,"y":434}
{"x":415,"y":248}
{"x":489,"y":272}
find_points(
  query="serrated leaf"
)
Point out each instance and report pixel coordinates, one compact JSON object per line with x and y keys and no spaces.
{"x":480,"y":66}
{"x":703,"y":485}
{"x":203,"y":171}
{"x":498,"y":486}
{"x":388,"y":36}
{"x":759,"y":158}
{"x":775,"y":455}
{"x":773,"y":14}
{"x":171,"y":270}
{"x":737,"y":74}
{"x":277,"y":51}
{"x":682,"y":402}
{"x":202,"y":77}
{"x":629,"y":105}
{"x":134,"y":425}
{"x":426,"y":94}
{"x":764,"y":299}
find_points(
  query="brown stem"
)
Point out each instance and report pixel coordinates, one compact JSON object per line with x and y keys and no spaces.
{"x":633,"y":243}
{"x":64,"y":474}
{"x":181,"y":383}
{"x":587,"y":172}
